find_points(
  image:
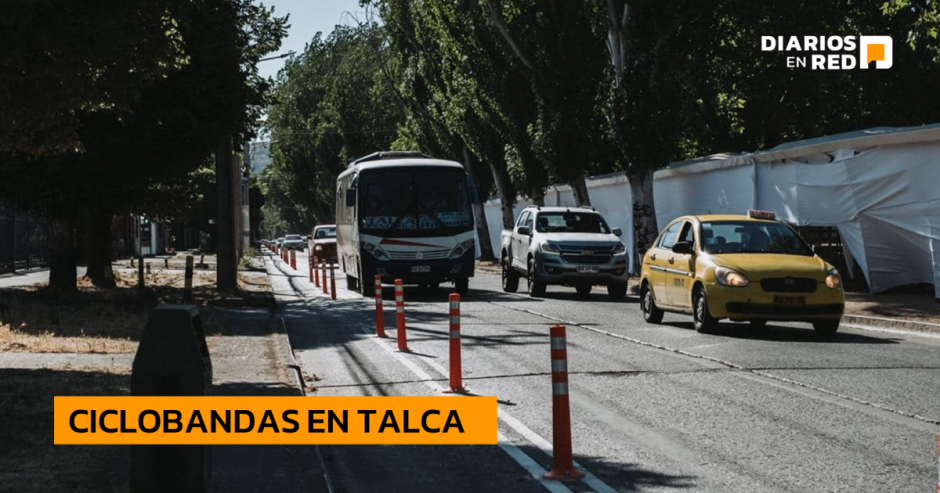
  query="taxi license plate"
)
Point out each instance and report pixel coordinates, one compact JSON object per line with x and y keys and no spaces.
{"x":789,"y":300}
{"x":587,"y":268}
{"x":420,"y":268}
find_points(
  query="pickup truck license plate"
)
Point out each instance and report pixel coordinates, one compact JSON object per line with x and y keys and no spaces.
{"x":420,"y":268}
{"x":587,"y":268}
{"x":789,"y":300}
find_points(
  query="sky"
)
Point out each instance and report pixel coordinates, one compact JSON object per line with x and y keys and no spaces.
{"x":307,"y":17}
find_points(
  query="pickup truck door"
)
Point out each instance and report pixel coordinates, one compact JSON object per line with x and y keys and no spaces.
{"x":520,"y":247}
{"x":659,"y":262}
{"x":679,"y":270}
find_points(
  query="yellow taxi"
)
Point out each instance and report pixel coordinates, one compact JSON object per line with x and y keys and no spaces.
{"x":743,"y":268}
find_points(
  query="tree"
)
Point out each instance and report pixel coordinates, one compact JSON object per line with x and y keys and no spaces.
{"x":139,"y":159}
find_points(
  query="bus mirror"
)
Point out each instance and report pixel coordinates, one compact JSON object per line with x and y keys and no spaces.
{"x":350,"y":197}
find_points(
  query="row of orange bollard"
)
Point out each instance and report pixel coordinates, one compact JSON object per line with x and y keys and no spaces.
{"x":562,"y":458}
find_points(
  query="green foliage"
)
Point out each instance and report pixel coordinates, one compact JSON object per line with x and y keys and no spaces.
{"x":332,"y":104}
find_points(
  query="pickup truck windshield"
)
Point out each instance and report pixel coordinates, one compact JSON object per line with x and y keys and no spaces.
{"x":752,"y":237}
{"x":571,"y":222}
{"x":423,"y":202}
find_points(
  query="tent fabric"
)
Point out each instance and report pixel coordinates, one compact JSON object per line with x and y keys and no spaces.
{"x":884,"y":200}
{"x":610,"y":195}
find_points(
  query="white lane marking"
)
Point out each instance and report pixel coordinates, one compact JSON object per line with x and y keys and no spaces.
{"x":502,"y":441}
{"x":589,"y":479}
{"x":928,"y":335}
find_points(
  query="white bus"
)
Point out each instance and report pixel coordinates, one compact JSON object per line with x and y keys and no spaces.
{"x":404,"y":215}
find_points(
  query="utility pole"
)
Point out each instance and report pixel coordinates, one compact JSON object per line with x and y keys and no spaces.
{"x":228,"y":182}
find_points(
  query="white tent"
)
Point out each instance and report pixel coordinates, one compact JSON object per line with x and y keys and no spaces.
{"x":610,"y":195}
{"x":879,"y":187}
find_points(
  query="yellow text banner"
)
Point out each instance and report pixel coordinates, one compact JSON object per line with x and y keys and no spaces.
{"x":275,"y":420}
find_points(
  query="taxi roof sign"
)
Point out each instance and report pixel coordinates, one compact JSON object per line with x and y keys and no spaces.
{"x":755,"y":214}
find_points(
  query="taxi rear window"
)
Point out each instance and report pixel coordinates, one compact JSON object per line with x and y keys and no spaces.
{"x":752,"y":237}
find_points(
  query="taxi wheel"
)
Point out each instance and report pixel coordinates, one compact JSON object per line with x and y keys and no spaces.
{"x":651,"y":314}
{"x":536,"y":288}
{"x":583,"y":290}
{"x":826,"y":327}
{"x":510,"y":278}
{"x":701,"y":319}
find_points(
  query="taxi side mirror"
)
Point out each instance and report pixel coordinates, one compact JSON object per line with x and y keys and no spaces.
{"x":683,"y":247}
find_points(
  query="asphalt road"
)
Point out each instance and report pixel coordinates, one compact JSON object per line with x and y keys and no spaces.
{"x":654,"y":408}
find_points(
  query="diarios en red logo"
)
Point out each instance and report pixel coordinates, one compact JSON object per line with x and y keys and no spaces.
{"x":833,"y":52}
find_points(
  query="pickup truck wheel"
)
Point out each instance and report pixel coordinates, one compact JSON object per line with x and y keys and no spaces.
{"x":463,"y":286}
{"x":510,"y":278}
{"x":617,"y":290}
{"x":583,"y":290}
{"x":651,"y":313}
{"x":536,"y":288}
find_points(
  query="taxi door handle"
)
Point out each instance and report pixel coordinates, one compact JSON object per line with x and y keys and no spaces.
{"x":672,"y":260}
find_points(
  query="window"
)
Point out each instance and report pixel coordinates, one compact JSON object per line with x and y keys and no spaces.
{"x":671,"y":235}
{"x":522,"y":218}
{"x":752,"y":237}
{"x":571,"y":222}
{"x":325,"y":233}
{"x":688,"y":234}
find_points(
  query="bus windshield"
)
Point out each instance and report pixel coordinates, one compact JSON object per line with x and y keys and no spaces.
{"x":413,"y":202}
{"x":752,"y":237}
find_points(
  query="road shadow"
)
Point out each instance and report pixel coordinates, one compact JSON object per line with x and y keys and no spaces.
{"x":782,"y":333}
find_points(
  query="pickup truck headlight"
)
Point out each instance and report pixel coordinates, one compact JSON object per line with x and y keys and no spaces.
{"x":833,"y":279}
{"x":620,"y":249}
{"x":318,"y":248}
{"x":549,"y":248}
{"x":730,"y":277}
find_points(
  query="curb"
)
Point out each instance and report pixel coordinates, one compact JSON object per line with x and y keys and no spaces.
{"x":891,"y":324}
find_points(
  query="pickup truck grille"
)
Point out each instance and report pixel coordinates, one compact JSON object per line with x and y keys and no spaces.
{"x":586,"y":254}
{"x":425,"y":255}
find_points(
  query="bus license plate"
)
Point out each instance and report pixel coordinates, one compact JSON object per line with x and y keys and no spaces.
{"x":420,"y":268}
{"x":789,"y":300}
{"x":590,"y":269}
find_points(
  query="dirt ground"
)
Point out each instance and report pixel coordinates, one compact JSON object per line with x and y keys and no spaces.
{"x":111,"y":320}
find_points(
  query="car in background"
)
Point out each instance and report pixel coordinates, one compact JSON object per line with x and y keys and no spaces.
{"x":279,"y":242}
{"x":570,"y":246}
{"x":295,"y":242}
{"x":323,"y":242}
{"x":743,"y":268}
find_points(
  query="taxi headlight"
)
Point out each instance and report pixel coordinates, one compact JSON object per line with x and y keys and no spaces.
{"x":620,"y":249}
{"x":834,"y":280}
{"x":730,"y":277}
{"x":549,"y":248}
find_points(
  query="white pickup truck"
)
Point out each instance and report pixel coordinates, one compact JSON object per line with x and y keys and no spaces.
{"x":568,"y":246}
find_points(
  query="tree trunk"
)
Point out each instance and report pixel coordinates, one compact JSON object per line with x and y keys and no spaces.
{"x":644,"y":214}
{"x":479,"y":214}
{"x":227,"y":263}
{"x":538,"y":197}
{"x":507,"y":194}
{"x":99,"y":247}
{"x":62,"y":271}
{"x":581,"y":195}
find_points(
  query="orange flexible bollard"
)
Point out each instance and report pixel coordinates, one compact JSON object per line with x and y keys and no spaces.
{"x":379,"y":316}
{"x":456,"y":376}
{"x":332,"y":282}
{"x":400,"y":314}
{"x":562,"y":461}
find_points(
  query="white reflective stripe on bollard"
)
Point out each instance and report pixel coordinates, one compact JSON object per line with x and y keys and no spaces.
{"x":558,"y":343}
{"x":559,"y":365}
{"x":560,"y":388}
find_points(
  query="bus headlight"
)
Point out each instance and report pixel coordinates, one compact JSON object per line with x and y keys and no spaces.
{"x":458,"y":251}
{"x":833,"y":279}
{"x":729,"y":277}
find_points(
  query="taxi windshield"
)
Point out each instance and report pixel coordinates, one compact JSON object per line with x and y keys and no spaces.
{"x":752,"y":237}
